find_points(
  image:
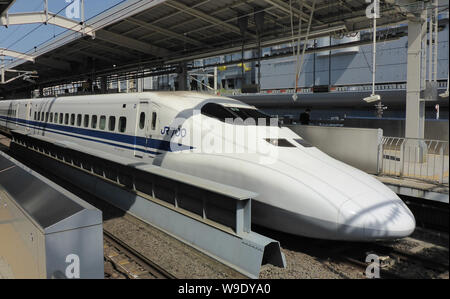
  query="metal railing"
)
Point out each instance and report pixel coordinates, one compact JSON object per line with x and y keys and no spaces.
{"x":421,"y":159}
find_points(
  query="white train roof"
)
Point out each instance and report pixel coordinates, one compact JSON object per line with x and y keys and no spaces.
{"x":178,"y":100}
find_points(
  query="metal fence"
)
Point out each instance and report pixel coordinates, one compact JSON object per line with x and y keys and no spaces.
{"x":426,"y":160}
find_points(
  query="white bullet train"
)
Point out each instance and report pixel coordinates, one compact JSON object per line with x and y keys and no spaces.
{"x":301,"y":190}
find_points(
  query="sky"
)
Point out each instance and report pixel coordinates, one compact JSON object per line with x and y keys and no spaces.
{"x":19,"y":38}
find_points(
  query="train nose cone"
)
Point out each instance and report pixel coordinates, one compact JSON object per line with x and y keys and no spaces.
{"x":389,"y":219}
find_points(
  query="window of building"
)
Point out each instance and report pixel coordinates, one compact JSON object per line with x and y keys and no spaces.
{"x":154,"y":118}
{"x":112,"y":123}
{"x":72,"y":119}
{"x":142,"y":121}
{"x":122,"y":124}
{"x":94,"y":122}
{"x":102,"y":124}
{"x":79,"y":117}
{"x":86,"y":120}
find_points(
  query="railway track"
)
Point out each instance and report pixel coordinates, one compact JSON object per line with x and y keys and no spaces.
{"x":394,"y":263}
{"x":129,"y":261}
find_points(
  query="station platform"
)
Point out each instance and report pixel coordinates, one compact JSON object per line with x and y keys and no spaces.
{"x":416,"y":188}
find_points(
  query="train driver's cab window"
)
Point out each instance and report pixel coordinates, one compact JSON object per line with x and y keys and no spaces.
{"x":281,"y":142}
{"x":154,"y":119}
{"x":86,"y":120}
{"x":102,"y":124}
{"x":142,"y":121}
{"x":217,"y":111}
{"x":122,"y":124}
{"x":94,"y":122}
{"x":112,"y":123}
{"x":79,"y":120}
{"x":66,"y":119}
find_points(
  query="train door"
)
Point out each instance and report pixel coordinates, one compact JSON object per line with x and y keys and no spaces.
{"x":153,"y":129}
{"x":28,"y":116}
{"x":142,"y":132}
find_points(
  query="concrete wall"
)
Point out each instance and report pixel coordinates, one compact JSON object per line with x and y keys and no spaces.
{"x":353,"y":146}
{"x":434,"y":129}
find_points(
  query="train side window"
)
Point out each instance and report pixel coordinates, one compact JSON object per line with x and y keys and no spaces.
{"x":35,"y":115}
{"x":61,"y":117}
{"x":122,"y":124}
{"x":39,"y":116}
{"x":112,"y":123}
{"x":86,"y":120}
{"x":46,"y":116}
{"x":154,"y":118}
{"x":56,"y":117}
{"x":94,"y":122}
{"x":66,"y":119}
{"x":79,"y":120}
{"x":51,"y":118}
{"x":102,"y":124}
{"x":42,"y":116}
{"x":142,"y":121}
{"x":72,"y":119}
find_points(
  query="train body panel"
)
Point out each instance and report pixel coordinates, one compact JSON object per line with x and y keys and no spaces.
{"x":301,"y":190}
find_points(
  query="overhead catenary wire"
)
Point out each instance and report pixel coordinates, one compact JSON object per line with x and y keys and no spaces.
{"x":305,"y":43}
{"x":74,"y":32}
{"x":37,"y":27}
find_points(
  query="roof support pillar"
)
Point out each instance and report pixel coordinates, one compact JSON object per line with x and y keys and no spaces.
{"x":415,"y":106}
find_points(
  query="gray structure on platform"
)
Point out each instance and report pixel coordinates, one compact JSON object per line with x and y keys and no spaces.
{"x":46,"y":232}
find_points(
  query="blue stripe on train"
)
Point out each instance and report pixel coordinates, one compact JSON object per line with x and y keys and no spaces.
{"x":128,"y":139}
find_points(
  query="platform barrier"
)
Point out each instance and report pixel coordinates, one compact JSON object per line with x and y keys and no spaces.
{"x":354,"y":146}
{"x":45,"y":231}
{"x":209,"y":216}
{"x":425,"y":160}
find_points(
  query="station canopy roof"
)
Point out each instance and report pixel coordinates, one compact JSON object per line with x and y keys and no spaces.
{"x":141,"y":33}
